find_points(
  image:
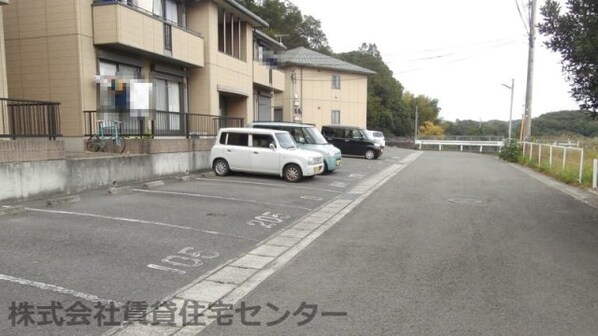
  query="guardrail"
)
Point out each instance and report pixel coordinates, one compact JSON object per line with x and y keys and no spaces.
{"x":29,"y":118}
{"x":462,"y":142}
{"x":163,"y":124}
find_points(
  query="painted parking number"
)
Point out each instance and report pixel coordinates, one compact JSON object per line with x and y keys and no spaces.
{"x":268,"y":219}
{"x":185,"y":258}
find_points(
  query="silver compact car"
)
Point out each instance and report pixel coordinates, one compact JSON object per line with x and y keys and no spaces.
{"x":263,"y":151}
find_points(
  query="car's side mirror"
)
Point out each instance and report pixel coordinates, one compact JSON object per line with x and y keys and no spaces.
{"x":272,"y":146}
{"x":301,"y":140}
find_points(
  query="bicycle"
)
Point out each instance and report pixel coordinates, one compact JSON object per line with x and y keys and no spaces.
{"x":101,"y":140}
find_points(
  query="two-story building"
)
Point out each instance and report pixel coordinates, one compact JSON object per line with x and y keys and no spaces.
{"x":322,"y":90}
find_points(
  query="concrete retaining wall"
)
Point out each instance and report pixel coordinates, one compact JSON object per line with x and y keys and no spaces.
{"x":31,"y":179}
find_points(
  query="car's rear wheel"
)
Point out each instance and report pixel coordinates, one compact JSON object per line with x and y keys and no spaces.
{"x":292,"y":173}
{"x":370,"y":154}
{"x":221,"y":167}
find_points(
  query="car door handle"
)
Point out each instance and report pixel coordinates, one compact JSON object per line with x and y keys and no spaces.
{"x":228,"y":150}
{"x":255,"y":152}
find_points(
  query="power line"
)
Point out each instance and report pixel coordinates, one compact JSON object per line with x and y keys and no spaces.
{"x":525,"y":24}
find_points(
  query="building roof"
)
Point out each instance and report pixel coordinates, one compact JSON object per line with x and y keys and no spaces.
{"x":308,"y":58}
{"x":248,"y":15}
{"x":270,"y":41}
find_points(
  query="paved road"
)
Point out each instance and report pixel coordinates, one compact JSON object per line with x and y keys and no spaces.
{"x":455,"y":244}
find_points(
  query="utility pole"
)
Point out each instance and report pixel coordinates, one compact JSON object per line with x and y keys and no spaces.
{"x":530,"y":72}
{"x":416,"y":121}
{"x":512,"y":88}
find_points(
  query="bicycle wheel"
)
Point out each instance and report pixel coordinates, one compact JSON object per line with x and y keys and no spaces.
{"x":93,"y":144}
{"x":119,"y":144}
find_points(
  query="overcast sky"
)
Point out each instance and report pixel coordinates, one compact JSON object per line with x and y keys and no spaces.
{"x":458,"y":51}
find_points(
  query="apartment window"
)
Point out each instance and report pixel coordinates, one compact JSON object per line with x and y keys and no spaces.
{"x":168,"y":106}
{"x":336,"y":82}
{"x":231,"y":41}
{"x":168,"y":10}
{"x":335,"y":117}
{"x":167,"y":37}
{"x":113,"y":95}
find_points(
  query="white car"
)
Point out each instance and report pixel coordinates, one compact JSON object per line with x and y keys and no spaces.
{"x":263,"y":151}
{"x":378,"y":137}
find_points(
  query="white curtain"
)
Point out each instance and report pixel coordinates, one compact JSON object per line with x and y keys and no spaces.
{"x":172,"y":11}
{"x":174,"y":105}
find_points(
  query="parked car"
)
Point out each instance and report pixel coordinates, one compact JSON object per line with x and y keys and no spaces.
{"x":263,"y":151}
{"x":377,"y":136}
{"x":307,"y":137}
{"x":352,"y":140}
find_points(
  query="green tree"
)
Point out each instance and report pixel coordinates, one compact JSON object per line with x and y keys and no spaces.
{"x":574,"y":35}
{"x":386,"y":110}
{"x":286,"y":20}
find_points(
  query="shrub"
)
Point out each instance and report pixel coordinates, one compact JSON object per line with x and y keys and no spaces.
{"x":511,"y":151}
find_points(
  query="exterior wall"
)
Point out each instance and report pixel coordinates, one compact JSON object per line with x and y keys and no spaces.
{"x":116,"y":23}
{"x":3,"y":83}
{"x":221,"y":73}
{"x":317,"y":99}
{"x":44,"y":42}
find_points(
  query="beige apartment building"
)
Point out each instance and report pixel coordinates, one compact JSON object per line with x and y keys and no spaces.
{"x":322,"y":90}
{"x":3,"y":84}
{"x":164,"y":67}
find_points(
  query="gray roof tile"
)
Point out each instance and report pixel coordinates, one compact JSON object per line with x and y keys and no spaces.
{"x":305,"y":57}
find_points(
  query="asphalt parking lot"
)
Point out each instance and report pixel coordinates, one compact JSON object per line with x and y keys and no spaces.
{"x":142,"y":246}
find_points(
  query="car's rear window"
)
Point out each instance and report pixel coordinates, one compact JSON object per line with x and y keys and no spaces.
{"x":379,"y":134}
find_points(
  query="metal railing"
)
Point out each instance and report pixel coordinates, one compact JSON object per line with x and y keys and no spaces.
{"x":551,"y":155}
{"x":29,"y":118}
{"x":491,"y":138}
{"x":163,"y":123}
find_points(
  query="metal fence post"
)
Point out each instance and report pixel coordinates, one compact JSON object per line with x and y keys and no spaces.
{"x":539,"y":154}
{"x":595,"y":177}
{"x":187,"y":125}
{"x":12,"y":121}
{"x":550,"y":157}
{"x":581,"y":167}
{"x":564,"y":157}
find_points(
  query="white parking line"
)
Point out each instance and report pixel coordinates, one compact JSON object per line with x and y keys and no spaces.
{"x":57,"y":289}
{"x":285,"y":186}
{"x":220,"y":198}
{"x":140,"y":221}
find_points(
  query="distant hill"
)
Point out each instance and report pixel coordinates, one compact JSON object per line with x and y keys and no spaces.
{"x":572,"y":123}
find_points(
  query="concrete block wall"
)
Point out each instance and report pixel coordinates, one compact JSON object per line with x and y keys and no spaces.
{"x":31,"y":150}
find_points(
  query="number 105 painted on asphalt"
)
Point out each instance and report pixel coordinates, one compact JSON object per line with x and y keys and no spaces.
{"x":185,"y":258}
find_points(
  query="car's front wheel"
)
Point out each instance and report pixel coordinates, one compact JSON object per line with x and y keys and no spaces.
{"x":370,"y":154}
{"x":221,"y":167}
{"x":292,"y":173}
